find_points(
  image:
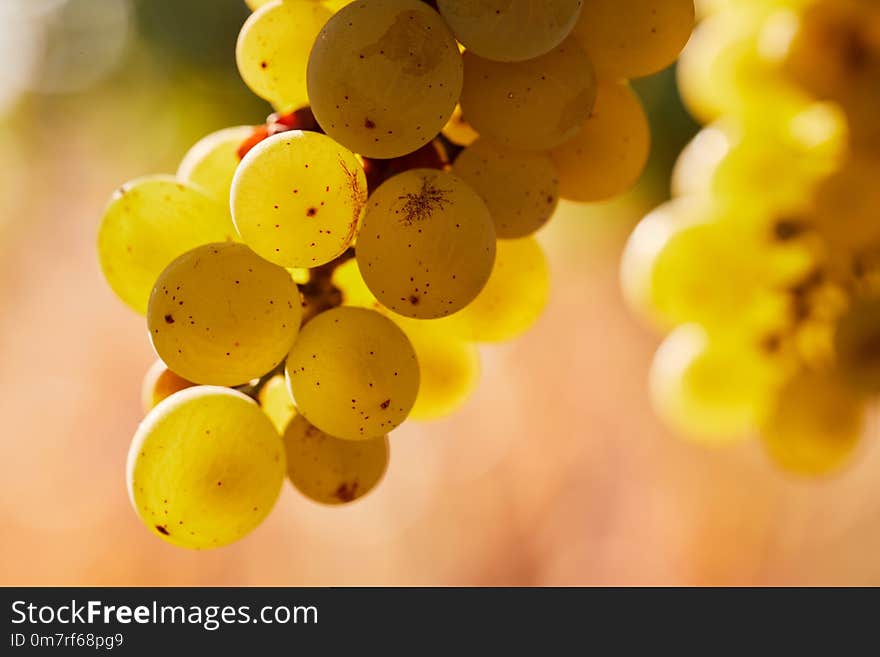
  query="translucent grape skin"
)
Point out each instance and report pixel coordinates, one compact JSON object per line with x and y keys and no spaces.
{"x":160,"y":383}
{"x":532,"y":105}
{"x":353,"y":373}
{"x":510,"y":30}
{"x":634,"y":38}
{"x":520,"y":189}
{"x":221,"y":315}
{"x":607,"y":155}
{"x":384,"y":76}
{"x":329,"y":470}
{"x":273,"y":48}
{"x":276,"y":402}
{"x":297,"y":197}
{"x":148,"y":223}
{"x":205,"y":467}
{"x":212,"y":161}
{"x":426,"y":245}
{"x":814,"y":426}
{"x":513,"y":298}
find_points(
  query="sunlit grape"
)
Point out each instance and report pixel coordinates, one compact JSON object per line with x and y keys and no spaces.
{"x":698,"y":161}
{"x":160,"y":382}
{"x":220,"y":314}
{"x":212,"y":161}
{"x":458,"y":130}
{"x":276,"y":402}
{"x":353,"y":373}
{"x":205,"y":467}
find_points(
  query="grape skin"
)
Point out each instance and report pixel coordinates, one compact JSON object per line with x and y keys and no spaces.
{"x":353,"y":373}
{"x":329,"y":470}
{"x":276,"y":402}
{"x":221,"y":315}
{"x":160,"y":383}
{"x":384,"y":76}
{"x":205,"y":467}
{"x":212,"y":161}
{"x":427,"y":244}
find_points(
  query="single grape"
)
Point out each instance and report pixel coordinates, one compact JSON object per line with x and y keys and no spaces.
{"x":297,"y":197}
{"x":510,"y":30}
{"x":353,"y":373}
{"x":273,"y":48}
{"x":814,"y":425}
{"x":531,"y":105}
{"x":458,"y":130}
{"x":348,"y":279}
{"x":276,"y":402}
{"x":329,"y":470}
{"x":384,"y":76}
{"x":212,"y":161}
{"x":205,"y":467}
{"x":513,"y":298}
{"x":147,"y":224}
{"x":697,"y":163}
{"x":159,"y":383}
{"x":857,"y":346}
{"x":609,"y":152}
{"x":634,"y":38}
{"x":221,"y":315}
{"x":427,"y":244}
{"x":520,"y":189}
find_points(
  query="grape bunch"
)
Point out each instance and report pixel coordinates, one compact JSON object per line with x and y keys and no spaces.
{"x":765,"y":265}
{"x":312,"y":282}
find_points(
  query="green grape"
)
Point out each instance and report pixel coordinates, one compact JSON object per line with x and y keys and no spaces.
{"x":384,"y":76}
{"x":329,"y":470}
{"x":147,"y":224}
{"x":221,"y":315}
{"x":275,"y":400}
{"x":709,"y":390}
{"x":813,"y":426}
{"x":513,"y":299}
{"x":212,"y":162}
{"x":531,"y":105}
{"x":634,"y":38}
{"x":857,"y":346}
{"x":510,"y":30}
{"x":205,"y":467}
{"x":520,"y":189}
{"x":427,"y":244}
{"x":609,"y":152}
{"x":458,"y":130}
{"x":273,"y":49}
{"x":353,"y":373}
{"x":297,"y":197}
{"x":159,"y":383}
{"x":697,"y":163}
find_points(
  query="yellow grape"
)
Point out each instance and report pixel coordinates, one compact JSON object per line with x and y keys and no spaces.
{"x":510,"y":30}
{"x":348,"y":279}
{"x":329,"y":470}
{"x":531,"y":105}
{"x":813,"y":426}
{"x":212,"y":162}
{"x":353,"y":373}
{"x":253,"y":5}
{"x":276,"y":402}
{"x":149,"y":222}
{"x":709,"y":390}
{"x":427,"y":244}
{"x":609,"y":152}
{"x":698,"y":161}
{"x":273,"y":49}
{"x":634,"y":38}
{"x":159,"y":383}
{"x":205,"y":467}
{"x":857,"y":346}
{"x":297,"y":197}
{"x":384,"y":76}
{"x":520,"y":189}
{"x":221,"y":315}
{"x":513,"y":299}
{"x":458,"y":130}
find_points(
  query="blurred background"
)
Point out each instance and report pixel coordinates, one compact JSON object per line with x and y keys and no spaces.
{"x":555,"y":473}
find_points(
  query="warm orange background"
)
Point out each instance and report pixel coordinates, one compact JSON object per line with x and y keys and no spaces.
{"x":555,"y":473}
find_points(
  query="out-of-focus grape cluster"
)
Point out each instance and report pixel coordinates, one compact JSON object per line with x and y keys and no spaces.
{"x":765,"y":265}
{"x":312,"y":282}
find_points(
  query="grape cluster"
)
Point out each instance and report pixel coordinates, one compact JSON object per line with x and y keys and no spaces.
{"x":312,"y":282}
{"x":765,"y":265}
